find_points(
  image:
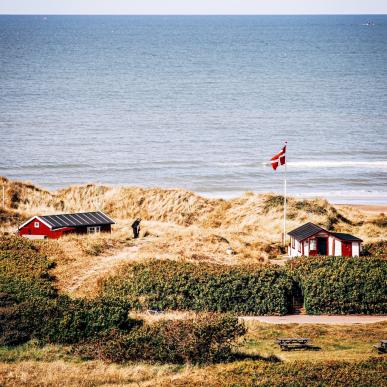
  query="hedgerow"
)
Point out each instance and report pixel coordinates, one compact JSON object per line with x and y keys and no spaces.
{"x":61,"y":320}
{"x":206,"y":339}
{"x":165,"y":285}
{"x":342,"y":285}
{"x":24,"y":271}
{"x":30,"y":308}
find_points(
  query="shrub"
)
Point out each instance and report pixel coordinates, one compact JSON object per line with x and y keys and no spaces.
{"x":174,"y":285}
{"x":376,"y":249}
{"x":13,"y":329}
{"x":342,"y":285}
{"x":62,"y":320}
{"x":206,"y":339}
{"x":24,"y":272}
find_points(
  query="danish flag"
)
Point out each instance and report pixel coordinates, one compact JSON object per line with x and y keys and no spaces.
{"x":279,"y":158}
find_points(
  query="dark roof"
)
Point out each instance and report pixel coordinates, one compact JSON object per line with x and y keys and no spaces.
{"x":305,"y":231}
{"x":309,"y":229}
{"x":346,"y":237}
{"x":79,"y":219}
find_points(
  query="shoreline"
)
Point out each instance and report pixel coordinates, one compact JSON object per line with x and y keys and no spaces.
{"x":372,"y":209}
{"x":369,"y":205}
{"x":362,"y":203}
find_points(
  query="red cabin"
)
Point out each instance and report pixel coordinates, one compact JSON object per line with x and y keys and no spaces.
{"x":54,"y":226}
{"x":310,"y":240}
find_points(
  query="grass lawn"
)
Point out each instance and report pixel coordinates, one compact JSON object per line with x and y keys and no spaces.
{"x":337,"y":342}
{"x":346,"y":358}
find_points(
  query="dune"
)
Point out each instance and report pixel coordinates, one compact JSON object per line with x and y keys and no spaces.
{"x":177,"y":224}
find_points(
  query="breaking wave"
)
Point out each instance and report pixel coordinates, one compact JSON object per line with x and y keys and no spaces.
{"x":338,"y":164}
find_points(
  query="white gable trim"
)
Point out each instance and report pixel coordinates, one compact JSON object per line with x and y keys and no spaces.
{"x":35,"y":217}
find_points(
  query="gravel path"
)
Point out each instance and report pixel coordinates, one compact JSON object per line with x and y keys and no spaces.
{"x":323,"y":319}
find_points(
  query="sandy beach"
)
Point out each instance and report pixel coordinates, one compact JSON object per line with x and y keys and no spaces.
{"x":371,"y":209}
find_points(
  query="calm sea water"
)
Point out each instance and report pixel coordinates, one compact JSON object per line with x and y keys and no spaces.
{"x":196,"y":102}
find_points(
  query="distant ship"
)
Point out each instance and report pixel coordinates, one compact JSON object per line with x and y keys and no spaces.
{"x":369,"y":23}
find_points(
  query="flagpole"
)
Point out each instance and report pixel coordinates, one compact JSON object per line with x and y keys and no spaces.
{"x":285,"y":203}
{"x":276,"y":160}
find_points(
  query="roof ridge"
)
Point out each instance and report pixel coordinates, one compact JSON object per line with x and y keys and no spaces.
{"x":73,"y":213}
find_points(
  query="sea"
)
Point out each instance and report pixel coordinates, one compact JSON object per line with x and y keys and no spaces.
{"x":197,"y":102}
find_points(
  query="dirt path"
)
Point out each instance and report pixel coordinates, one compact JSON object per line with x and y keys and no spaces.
{"x":101,"y":265}
{"x":323,"y":319}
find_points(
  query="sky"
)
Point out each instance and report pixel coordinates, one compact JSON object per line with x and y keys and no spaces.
{"x":192,"y":7}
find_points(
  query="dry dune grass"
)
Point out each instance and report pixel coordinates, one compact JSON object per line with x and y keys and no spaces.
{"x":249,"y":214}
{"x":174,"y":205}
{"x":84,"y":256}
{"x":93,"y":373}
{"x":177,"y":224}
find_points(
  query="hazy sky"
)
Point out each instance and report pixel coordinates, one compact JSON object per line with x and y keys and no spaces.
{"x":170,"y":7}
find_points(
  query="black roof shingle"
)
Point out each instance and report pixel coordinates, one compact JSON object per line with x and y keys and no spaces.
{"x":309,"y":229}
{"x":305,"y":231}
{"x":78,"y":219}
{"x":346,"y":237}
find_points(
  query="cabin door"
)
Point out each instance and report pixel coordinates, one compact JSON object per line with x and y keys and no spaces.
{"x":322,"y":246}
{"x":346,"y":249}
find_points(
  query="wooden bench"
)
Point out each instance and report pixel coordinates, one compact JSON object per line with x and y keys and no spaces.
{"x":289,"y":343}
{"x":382,"y":346}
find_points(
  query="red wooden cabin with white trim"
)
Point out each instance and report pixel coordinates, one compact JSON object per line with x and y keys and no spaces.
{"x":310,"y":239}
{"x":54,"y":226}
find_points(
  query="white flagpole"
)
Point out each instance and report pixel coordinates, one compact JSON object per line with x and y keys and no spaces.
{"x":285,"y":203}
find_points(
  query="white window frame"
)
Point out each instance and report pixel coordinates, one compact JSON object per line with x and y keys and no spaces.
{"x":313,"y":242}
{"x":36,"y":224}
{"x":94,"y":229}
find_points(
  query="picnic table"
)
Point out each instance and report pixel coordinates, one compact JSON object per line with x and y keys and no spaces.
{"x":288,"y":343}
{"x":382,"y":346}
{"x":154,"y":311}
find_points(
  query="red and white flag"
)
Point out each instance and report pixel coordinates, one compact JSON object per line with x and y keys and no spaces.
{"x":279,"y":158}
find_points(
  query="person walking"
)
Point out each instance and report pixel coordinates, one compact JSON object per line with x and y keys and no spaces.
{"x":136,"y":228}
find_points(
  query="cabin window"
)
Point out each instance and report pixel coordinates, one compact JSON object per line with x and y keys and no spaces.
{"x":293,"y":243}
{"x":312,"y":244}
{"x":36,"y":224}
{"x":93,"y":230}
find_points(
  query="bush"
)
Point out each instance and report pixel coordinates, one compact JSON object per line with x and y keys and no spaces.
{"x":24,"y":272}
{"x":342,"y":285}
{"x":61,"y":320}
{"x":376,"y":249}
{"x":174,"y":285}
{"x":206,"y":339}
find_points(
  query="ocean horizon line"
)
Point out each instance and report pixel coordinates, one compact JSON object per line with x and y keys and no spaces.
{"x":194,"y":15}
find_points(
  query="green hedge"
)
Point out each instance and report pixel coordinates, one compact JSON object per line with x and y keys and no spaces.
{"x":61,"y":320}
{"x":24,"y":271}
{"x":206,"y":339}
{"x":30,"y":308}
{"x":159,"y":284}
{"x":342,"y":285}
